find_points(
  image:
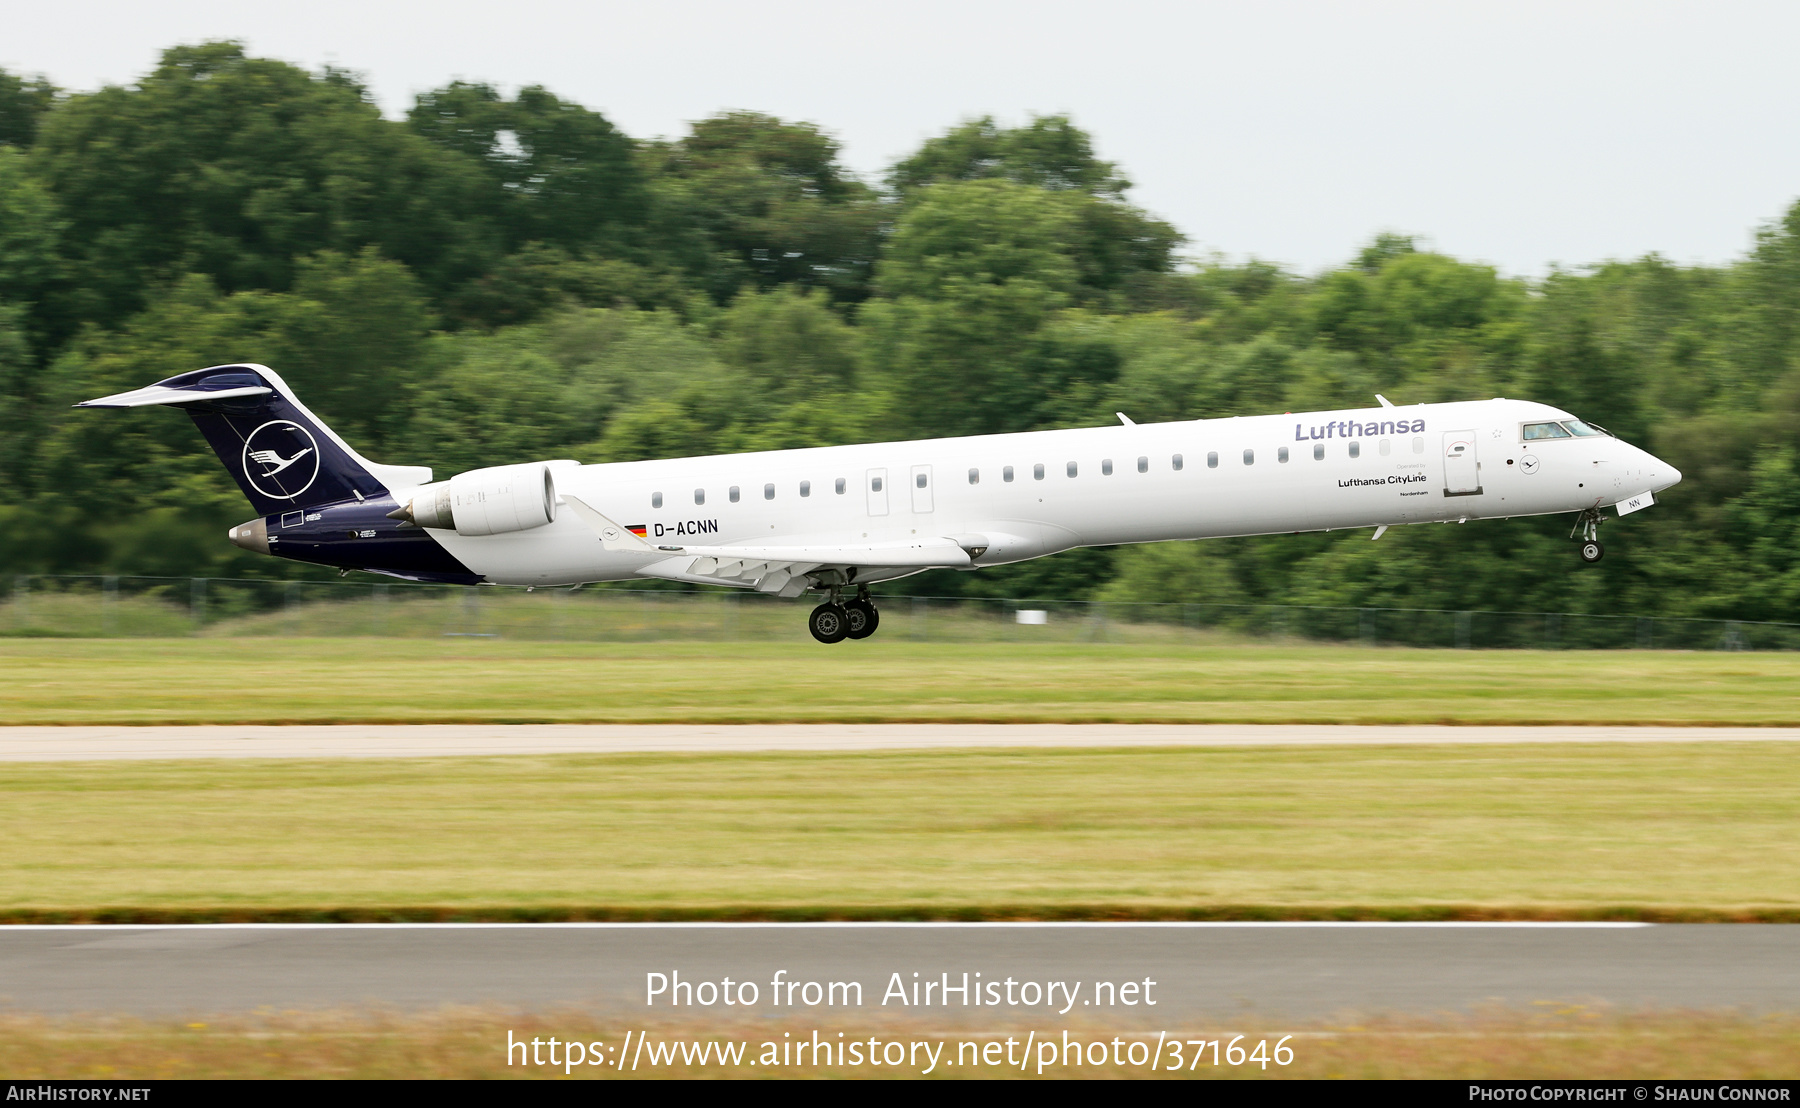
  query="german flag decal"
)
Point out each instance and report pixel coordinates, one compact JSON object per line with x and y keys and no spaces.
{"x":638,"y":529}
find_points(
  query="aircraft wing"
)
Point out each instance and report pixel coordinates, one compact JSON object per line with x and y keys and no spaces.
{"x":777,"y":568}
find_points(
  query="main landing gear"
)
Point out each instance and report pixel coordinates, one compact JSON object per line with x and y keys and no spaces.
{"x":1587,"y":528}
{"x":834,"y":622}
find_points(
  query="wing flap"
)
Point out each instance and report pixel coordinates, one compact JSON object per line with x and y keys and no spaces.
{"x":776,"y":568}
{"x":934,"y":552}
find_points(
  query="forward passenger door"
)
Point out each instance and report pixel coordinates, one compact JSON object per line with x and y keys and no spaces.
{"x":1462,"y":472}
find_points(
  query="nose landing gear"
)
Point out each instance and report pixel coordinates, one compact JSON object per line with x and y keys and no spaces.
{"x":1587,"y":528}
{"x":833,"y":622}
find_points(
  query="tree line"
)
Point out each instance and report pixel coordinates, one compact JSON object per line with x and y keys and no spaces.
{"x":495,"y":279}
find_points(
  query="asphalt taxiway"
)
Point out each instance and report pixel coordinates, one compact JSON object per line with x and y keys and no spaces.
{"x":1207,"y":970}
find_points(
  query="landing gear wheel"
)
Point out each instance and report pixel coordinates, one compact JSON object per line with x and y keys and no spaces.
{"x":863,"y":618}
{"x":1592,"y":551}
{"x":829,"y":623}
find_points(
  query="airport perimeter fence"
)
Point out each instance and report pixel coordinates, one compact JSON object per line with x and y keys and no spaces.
{"x":164,"y":607}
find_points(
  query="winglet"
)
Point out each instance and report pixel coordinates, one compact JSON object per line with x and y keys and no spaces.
{"x":1385,"y":402}
{"x":612,"y":536}
{"x":1125,"y":419}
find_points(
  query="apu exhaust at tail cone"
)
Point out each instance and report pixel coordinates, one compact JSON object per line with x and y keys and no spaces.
{"x":252,"y":536}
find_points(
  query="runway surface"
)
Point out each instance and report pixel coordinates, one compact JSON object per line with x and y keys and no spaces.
{"x":1198,"y":970}
{"x":45,"y":744}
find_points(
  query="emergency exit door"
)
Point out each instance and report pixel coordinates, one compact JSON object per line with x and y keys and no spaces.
{"x":876,"y":485}
{"x":1462,"y":472}
{"x":921,"y":488}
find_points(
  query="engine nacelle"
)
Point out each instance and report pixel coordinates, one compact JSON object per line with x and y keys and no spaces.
{"x":489,"y":501}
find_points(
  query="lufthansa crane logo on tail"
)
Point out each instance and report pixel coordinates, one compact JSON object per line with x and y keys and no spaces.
{"x":281,"y":459}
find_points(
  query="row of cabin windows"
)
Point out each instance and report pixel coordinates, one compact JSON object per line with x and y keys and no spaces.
{"x":1385,"y":447}
{"x":1073,"y":469}
{"x":734,"y":494}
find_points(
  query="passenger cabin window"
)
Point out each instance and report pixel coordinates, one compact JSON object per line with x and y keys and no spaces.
{"x":1535,"y":431}
{"x":1143,"y":465}
{"x":806,"y":488}
{"x":974,"y":477}
{"x":699,"y":496}
{"x":1212,"y":459}
{"x":1106,"y":467}
{"x":840,"y":486}
{"x":1386,"y":448}
{"x":1037,"y":472}
{"x":768,"y":492}
{"x":1356,"y":450}
{"x":1073,"y":470}
{"x":731,"y":494}
{"x":1249,"y":457}
{"x":1175,"y":462}
{"x":1006,"y":474}
{"x":1318,"y":451}
{"x":919,"y":479}
{"x":656,"y":500}
{"x":1281,"y":455}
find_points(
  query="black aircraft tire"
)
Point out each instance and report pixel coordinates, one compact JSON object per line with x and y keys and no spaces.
{"x":864,"y":618}
{"x":1592,"y":551}
{"x":829,"y":623}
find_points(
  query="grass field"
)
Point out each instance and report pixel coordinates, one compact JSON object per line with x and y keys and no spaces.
{"x":1548,"y":1044}
{"x":1663,"y":831}
{"x":247,"y":680}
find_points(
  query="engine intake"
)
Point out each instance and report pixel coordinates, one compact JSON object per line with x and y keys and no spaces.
{"x":489,"y":501}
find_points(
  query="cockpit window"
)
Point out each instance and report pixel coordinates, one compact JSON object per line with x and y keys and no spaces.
{"x":1545,"y":431}
{"x":1581,"y":429}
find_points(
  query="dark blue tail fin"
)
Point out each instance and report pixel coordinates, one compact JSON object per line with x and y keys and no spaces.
{"x":282,"y":456}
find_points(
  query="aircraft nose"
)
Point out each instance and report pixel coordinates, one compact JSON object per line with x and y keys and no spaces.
{"x":1662,"y":474}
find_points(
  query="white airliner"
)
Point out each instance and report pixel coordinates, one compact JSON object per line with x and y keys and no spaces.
{"x":836,"y":519}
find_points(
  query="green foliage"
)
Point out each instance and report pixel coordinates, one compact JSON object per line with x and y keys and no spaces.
{"x":1117,"y":250}
{"x":789,"y":343}
{"x":981,"y":233}
{"x":552,"y":388}
{"x":352,"y":334}
{"x":1050,"y":152}
{"x":236,"y":167}
{"x":30,"y":233}
{"x":19,"y":419}
{"x":1173,"y":573}
{"x":23,"y":103}
{"x":974,"y":338}
{"x":559,"y":173}
{"x":539,"y":278}
{"x":773,"y":204}
{"x":1766,"y":524}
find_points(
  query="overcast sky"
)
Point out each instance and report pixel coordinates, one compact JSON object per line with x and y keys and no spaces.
{"x":1521,"y":133}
